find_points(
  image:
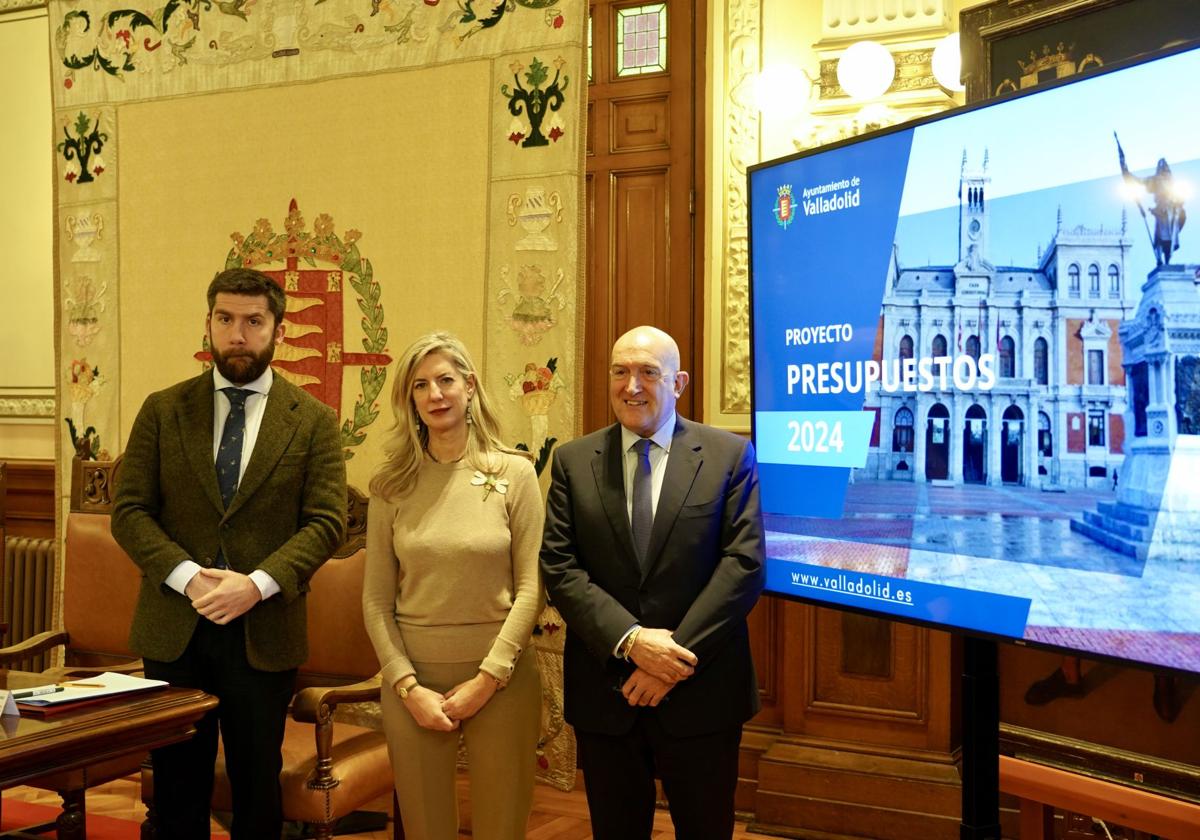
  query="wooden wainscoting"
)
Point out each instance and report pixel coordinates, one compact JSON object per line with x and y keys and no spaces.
{"x":28,"y":504}
{"x":857,"y":733}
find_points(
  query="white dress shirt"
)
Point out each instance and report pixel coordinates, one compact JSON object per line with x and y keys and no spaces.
{"x":660,"y":450}
{"x":256,"y":406}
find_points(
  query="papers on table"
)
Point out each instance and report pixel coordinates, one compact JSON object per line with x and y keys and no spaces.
{"x":84,"y":688}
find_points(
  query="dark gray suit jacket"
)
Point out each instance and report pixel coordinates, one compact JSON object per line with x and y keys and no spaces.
{"x":287,"y":517}
{"x":703,"y":575}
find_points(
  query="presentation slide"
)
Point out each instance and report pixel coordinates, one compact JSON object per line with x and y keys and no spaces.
{"x":976,"y":368}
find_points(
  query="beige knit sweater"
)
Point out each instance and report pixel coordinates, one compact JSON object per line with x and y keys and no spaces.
{"x":452,"y":576}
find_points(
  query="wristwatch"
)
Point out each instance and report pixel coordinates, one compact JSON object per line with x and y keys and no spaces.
{"x":403,"y":691}
{"x":628,"y":642}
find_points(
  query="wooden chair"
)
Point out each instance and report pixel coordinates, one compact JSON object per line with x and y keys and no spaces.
{"x":329,"y":771}
{"x":99,"y":586}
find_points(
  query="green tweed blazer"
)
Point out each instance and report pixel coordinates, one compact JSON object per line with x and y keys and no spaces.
{"x":287,"y":517}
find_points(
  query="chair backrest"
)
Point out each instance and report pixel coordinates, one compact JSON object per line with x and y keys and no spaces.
{"x":99,"y":581}
{"x":338,"y":647}
{"x":100,"y":586}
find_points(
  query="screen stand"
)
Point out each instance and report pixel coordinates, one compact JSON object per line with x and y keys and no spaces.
{"x":980,"y":741}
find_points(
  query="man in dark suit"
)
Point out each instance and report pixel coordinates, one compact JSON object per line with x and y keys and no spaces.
{"x":653,"y":553}
{"x":231,"y":493}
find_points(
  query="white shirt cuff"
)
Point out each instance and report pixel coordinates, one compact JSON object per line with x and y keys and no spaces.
{"x":621,"y":641}
{"x":265,"y":583}
{"x":182,"y":575}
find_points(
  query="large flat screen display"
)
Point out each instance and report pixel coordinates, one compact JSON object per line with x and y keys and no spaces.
{"x":976,"y":368}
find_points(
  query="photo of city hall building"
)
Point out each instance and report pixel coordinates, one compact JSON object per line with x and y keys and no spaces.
{"x":1056,"y":414}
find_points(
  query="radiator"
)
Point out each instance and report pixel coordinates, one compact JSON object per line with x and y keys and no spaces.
{"x":28,"y":587}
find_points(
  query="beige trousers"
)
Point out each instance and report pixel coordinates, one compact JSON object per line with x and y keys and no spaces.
{"x":501,"y":741}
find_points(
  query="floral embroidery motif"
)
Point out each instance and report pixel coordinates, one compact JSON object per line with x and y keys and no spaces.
{"x":81,"y":151}
{"x":536,"y":305}
{"x":537,"y":388}
{"x":529,"y":106}
{"x":489,"y":483}
{"x":86,"y":383}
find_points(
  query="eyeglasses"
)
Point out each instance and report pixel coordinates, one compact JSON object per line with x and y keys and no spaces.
{"x":619,"y":373}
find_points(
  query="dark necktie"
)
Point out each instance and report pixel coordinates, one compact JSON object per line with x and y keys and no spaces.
{"x":643,"y":508}
{"x":229,"y":453}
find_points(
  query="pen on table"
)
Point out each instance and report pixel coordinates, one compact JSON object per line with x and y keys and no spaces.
{"x":36,"y":692}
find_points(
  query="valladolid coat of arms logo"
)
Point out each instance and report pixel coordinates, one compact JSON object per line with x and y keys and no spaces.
{"x":313,"y":268}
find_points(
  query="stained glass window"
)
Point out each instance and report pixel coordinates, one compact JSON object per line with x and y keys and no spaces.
{"x":642,"y":39}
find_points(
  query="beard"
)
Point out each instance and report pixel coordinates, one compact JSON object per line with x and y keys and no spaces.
{"x":242,"y":366}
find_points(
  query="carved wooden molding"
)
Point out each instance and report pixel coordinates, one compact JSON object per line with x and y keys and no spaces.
{"x":356,"y":523}
{"x":827,"y":644}
{"x":743,"y":61}
{"x":26,"y":403}
{"x":1137,"y":770}
{"x":983,"y":30}
{"x":92,"y":484}
{"x":768,"y":668}
{"x":23,"y":408}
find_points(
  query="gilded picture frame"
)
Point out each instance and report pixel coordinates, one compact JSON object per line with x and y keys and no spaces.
{"x":1010,"y":45}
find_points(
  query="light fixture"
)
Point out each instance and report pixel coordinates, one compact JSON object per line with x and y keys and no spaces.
{"x":947,"y":63}
{"x":866,"y":70}
{"x":782,"y":90}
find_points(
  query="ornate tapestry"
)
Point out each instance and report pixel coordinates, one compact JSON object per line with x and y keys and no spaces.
{"x":398,"y":166}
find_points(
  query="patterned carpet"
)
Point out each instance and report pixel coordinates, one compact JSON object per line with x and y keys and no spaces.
{"x":17,"y":814}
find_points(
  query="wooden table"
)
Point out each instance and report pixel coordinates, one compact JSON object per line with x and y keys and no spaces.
{"x":1040,"y":788}
{"x":54,"y":751}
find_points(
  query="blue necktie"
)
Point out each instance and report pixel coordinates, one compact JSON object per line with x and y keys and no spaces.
{"x":229,"y":453}
{"x":643,"y":507}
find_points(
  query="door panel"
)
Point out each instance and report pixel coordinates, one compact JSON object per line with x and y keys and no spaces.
{"x":643,"y":154}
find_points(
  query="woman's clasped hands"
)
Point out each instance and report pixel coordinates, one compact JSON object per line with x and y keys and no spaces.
{"x":443,"y":712}
{"x":425,"y":706}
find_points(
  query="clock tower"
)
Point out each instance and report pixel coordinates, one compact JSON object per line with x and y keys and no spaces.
{"x":973,"y":185}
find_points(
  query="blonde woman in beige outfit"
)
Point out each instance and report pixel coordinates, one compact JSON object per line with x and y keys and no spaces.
{"x":450,"y":597}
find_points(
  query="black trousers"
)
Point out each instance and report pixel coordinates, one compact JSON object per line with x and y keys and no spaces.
{"x":250,"y":718}
{"x":699,"y":777}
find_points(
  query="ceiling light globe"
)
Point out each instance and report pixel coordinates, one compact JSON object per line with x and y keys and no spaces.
{"x":947,"y":63}
{"x":866,"y":70}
